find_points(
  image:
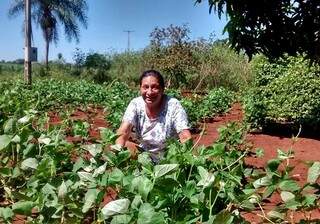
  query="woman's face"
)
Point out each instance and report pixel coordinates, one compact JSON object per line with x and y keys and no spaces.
{"x":151,"y":91}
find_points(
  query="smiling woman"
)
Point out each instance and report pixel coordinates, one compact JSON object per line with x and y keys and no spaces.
{"x":154,"y":117}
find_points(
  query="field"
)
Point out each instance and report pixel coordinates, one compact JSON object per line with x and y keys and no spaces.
{"x":57,"y":166}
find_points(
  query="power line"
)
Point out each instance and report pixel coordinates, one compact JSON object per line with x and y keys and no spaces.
{"x":128,"y":32}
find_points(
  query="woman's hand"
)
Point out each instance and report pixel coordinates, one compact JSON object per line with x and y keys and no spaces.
{"x":185,"y":135}
{"x":124,"y":133}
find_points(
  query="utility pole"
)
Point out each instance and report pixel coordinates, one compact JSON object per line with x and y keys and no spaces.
{"x":27,"y":47}
{"x":128,"y":31}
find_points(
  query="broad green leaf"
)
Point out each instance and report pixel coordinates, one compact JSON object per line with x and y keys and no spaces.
{"x":224,"y":217}
{"x":89,"y":199}
{"x":44,"y":140}
{"x":207,"y":179}
{"x":273,"y":165}
{"x":161,"y":170}
{"x":6,"y":213}
{"x":269,"y":190}
{"x":4,"y":141}
{"x":189,"y":189}
{"x":23,"y":207}
{"x":100,"y":170}
{"x":309,"y":200}
{"x":147,"y":215}
{"x":78,"y":165}
{"x":137,"y":201}
{"x":5,"y":172}
{"x":264,"y":181}
{"x":259,"y":152}
{"x":16,"y":139}
{"x":86,"y":177}
{"x":314,"y":172}
{"x":93,"y":149}
{"x":144,"y":159}
{"x":289,"y":185}
{"x":29,"y":163}
{"x":115,"y":176}
{"x":24,"y":119}
{"x":62,"y":190}
{"x":144,"y":187}
{"x":121,"y":219}
{"x":286,"y":196}
{"x":9,"y":126}
{"x":276,"y":215}
{"x":119,"y":206}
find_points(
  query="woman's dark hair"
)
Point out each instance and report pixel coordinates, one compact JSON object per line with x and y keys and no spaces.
{"x":155,"y":74}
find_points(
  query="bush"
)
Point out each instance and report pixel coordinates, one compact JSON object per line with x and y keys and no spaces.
{"x":286,"y":91}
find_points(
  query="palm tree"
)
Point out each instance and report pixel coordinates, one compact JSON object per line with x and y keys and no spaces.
{"x":48,"y":14}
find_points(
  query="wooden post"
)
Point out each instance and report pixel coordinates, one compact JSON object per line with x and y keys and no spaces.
{"x":27,"y":48}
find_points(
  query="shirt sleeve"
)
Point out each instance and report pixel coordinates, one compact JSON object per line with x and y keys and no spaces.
{"x":131,"y":113}
{"x":180,"y":118}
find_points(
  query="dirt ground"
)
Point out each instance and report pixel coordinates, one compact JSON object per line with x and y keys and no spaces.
{"x":305,"y":149}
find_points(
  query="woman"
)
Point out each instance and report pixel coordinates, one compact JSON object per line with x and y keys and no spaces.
{"x":154,"y":116}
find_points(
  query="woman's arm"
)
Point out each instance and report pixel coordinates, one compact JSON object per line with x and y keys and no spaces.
{"x":123,"y":133}
{"x":185,"y":135}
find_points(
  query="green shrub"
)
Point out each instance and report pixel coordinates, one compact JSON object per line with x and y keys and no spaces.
{"x":284,"y":91}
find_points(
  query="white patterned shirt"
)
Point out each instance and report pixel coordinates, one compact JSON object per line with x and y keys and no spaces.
{"x":152,"y":133}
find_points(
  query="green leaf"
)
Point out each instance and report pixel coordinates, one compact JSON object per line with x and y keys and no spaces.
{"x":137,"y":201}
{"x":314,"y":173}
{"x":161,"y":170}
{"x":259,"y":152}
{"x":273,"y":165}
{"x":115,"y":176}
{"x":9,"y":126}
{"x":276,"y":215}
{"x":4,"y":141}
{"x":93,"y":149}
{"x":119,"y":206}
{"x":6,"y":213}
{"x":287,"y":196}
{"x":30,"y":163}
{"x":86,"y":177}
{"x":264,"y":181}
{"x":100,"y":170}
{"x":5,"y":172}
{"x":207,"y":179}
{"x":44,"y":140}
{"x":23,"y":207}
{"x":89,"y":199}
{"x":189,"y":189}
{"x":143,"y":185}
{"x":147,"y":215}
{"x":78,"y":165}
{"x":309,"y":200}
{"x":223,"y":217}
{"x":62,"y":190}
{"x":289,"y":185}
{"x":121,"y":219}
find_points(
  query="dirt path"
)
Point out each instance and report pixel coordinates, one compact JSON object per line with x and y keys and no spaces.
{"x":305,"y":149}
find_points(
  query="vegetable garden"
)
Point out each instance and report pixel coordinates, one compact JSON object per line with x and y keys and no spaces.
{"x":47,"y":179}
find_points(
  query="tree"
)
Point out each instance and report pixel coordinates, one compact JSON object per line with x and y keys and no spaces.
{"x":272,"y":27}
{"x":48,"y":14}
{"x":171,"y":52}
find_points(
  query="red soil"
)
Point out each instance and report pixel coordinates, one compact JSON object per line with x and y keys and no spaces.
{"x":305,"y":149}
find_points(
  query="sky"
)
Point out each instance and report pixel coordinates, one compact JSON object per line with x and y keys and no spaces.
{"x":107,"y":21}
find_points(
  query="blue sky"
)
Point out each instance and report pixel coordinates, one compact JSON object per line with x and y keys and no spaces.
{"x":107,"y":20}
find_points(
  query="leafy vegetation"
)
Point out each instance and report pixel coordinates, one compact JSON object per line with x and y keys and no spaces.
{"x":48,"y":15}
{"x":274,"y":27}
{"x":284,"y":91}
